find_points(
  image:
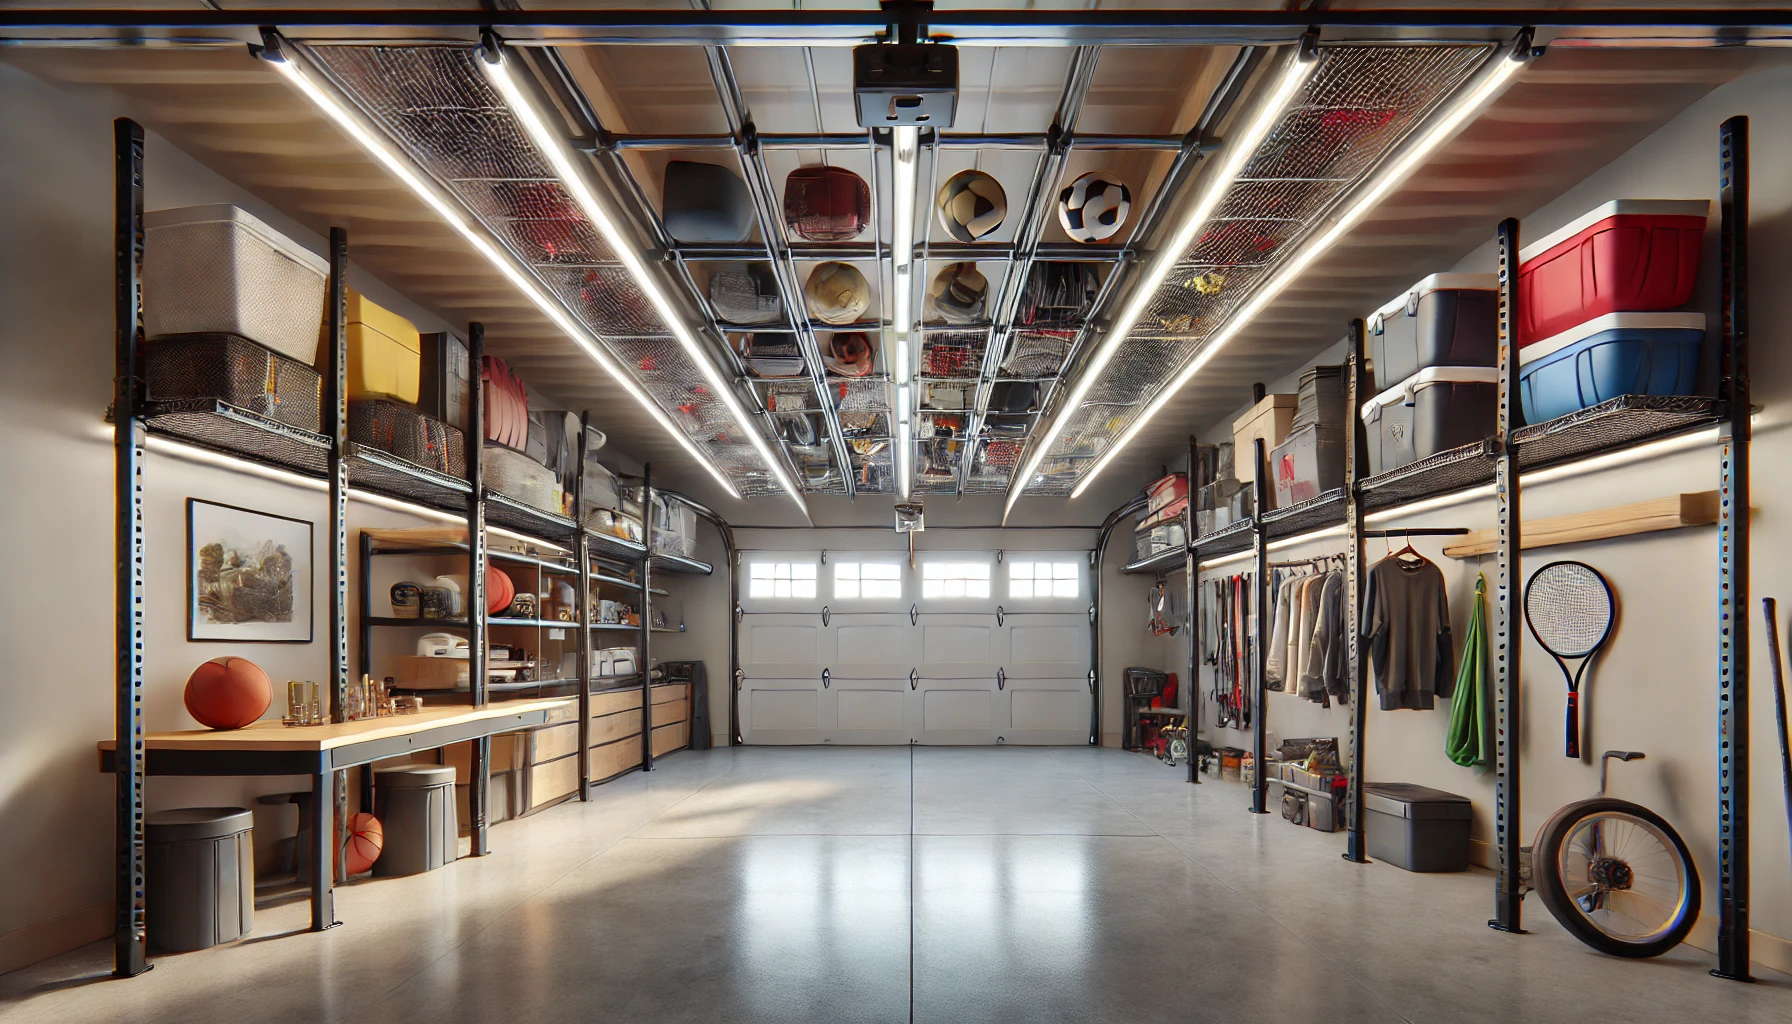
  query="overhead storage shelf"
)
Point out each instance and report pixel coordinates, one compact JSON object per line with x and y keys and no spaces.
{"x":680,"y":564}
{"x":610,"y":544}
{"x":229,"y":430}
{"x":1162,"y":562}
{"x":375,"y":470}
{"x":526,"y":519}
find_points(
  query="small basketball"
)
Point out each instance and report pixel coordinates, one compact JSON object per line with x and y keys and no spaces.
{"x":499,"y":590}
{"x":366,"y":838}
{"x":228,"y":693}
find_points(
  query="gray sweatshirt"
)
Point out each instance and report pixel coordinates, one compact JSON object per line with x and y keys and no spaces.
{"x":1407,"y":626}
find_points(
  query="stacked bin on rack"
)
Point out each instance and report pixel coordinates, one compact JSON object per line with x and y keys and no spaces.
{"x":1434,"y":350}
{"x":1593,"y":324}
{"x":1310,"y":461}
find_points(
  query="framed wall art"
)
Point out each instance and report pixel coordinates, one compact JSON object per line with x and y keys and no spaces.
{"x":248,"y":575}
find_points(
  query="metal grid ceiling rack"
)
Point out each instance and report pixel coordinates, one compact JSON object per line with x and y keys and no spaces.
{"x":437,"y":106}
{"x":1358,"y":105}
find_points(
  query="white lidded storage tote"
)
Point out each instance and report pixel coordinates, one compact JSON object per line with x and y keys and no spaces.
{"x":1444,"y":320}
{"x":1434,"y":410}
{"x":220,"y":270}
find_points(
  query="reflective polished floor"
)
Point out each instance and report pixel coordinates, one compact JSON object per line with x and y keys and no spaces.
{"x":895,"y":884}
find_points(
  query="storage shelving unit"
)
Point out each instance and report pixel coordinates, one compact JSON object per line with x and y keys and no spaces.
{"x":1612,"y":426}
{"x":329,"y":456}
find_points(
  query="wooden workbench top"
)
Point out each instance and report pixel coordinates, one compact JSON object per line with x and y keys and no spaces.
{"x":271,"y":735}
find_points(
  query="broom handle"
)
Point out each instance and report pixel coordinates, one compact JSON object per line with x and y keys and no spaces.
{"x":1769,"y":606}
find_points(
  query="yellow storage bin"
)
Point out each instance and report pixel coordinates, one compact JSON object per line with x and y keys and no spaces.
{"x":385,"y":352}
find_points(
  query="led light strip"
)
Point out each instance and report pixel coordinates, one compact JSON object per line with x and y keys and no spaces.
{"x":905,"y":147}
{"x":1466,"y":106}
{"x":401,"y":169}
{"x":1237,"y":153}
{"x":553,"y":147}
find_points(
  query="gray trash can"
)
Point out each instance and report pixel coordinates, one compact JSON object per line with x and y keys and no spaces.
{"x":415,"y":805}
{"x":201,"y":877}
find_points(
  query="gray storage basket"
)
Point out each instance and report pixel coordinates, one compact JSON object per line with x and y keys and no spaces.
{"x":236,"y":371}
{"x":401,"y":430}
{"x":218,"y":269}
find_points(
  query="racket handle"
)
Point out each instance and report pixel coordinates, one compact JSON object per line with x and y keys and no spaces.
{"x":1573,"y":725}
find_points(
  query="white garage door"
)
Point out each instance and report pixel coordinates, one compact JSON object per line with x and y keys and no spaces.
{"x":968,"y":647}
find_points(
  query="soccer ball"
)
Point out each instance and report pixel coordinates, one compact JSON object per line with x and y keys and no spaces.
{"x":1093,"y":207}
{"x":972,"y":204}
{"x":837,"y":293}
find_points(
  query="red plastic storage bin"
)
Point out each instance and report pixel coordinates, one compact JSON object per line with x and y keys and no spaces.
{"x":1629,"y":255}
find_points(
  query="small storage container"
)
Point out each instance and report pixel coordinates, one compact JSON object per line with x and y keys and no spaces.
{"x":1616,"y":354}
{"x":399,"y":429}
{"x":517,"y":476}
{"x":1166,"y":491}
{"x":1415,"y":827}
{"x":1320,"y":401}
{"x":1629,"y":255}
{"x":706,"y":203}
{"x":385,"y":352}
{"x":200,"y":865}
{"x":446,"y":379}
{"x":220,"y":270}
{"x":234,"y":370}
{"x":1444,"y":320}
{"x":415,"y":805}
{"x":1163,"y":537}
{"x":1269,"y":419}
{"x":674,"y":528}
{"x":1432,"y":411}
{"x":1307,"y":465}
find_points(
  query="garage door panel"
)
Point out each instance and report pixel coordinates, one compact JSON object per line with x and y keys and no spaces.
{"x":1042,"y":646}
{"x":869,"y":711}
{"x":781,"y":711}
{"x":1048,"y":711}
{"x":956,"y":646}
{"x":958,"y":712}
{"x":781,"y":646}
{"x":875,"y":646}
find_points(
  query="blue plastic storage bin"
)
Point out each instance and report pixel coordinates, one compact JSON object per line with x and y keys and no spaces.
{"x":1616,"y":354}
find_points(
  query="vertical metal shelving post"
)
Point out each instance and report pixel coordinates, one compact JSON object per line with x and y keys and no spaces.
{"x":1732,"y":553}
{"x":582,"y":594}
{"x":479,"y":786}
{"x":1356,"y":568}
{"x":1508,"y":642}
{"x":646,"y":617}
{"x":1259,"y":601}
{"x":335,"y":424}
{"x":130,"y":939}
{"x":1191,"y":584}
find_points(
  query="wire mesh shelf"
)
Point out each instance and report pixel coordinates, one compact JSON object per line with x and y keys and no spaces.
{"x":229,"y":430}
{"x":385,"y":473}
{"x":511,"y":514}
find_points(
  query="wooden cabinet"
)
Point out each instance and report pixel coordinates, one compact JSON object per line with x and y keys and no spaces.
{"x":612,"y":759}
{"x":668,"y":738}
{"x":553,"y":781}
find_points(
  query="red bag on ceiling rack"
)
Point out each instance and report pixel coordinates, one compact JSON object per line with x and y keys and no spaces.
{"x":506,"y":404}
{"x":826,"y":204}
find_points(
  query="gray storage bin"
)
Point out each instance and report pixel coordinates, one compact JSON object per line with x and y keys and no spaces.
{"x":1306,"y":465}
{"x":1444,"y":320}
{"x":1434,"y":410}
{"x":415,"y":805}
{"x":200,"y":864}
{"x":1320,"y":399}
{"x":1416,"y":827}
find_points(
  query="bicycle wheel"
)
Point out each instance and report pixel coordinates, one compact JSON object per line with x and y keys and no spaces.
{"x":1617,"y":876}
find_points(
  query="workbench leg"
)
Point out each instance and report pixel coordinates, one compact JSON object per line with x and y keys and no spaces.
{"x":323,"y":851}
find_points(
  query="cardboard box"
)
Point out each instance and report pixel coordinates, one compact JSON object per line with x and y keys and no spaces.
{"x":1269,"y":419}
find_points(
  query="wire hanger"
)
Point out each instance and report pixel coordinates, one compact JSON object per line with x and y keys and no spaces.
{"x":1409,"y":556}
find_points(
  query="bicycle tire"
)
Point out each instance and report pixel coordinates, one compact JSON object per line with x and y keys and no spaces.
{"x":1552,"y":890}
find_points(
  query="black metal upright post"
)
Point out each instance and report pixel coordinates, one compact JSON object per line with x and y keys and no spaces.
{"x":646,"y":618}
{"x":335,"y":410}
{"x":1356,"y":569}
{"x":1732,"y":553}
{"x":365,"y":631}
{"x":582,"y":592}
{"x":479,"y":786}
{"x":129,"y":939}
{"x":1191,"y":591}
{"x":1508,"y":887}
{"x":1253,"y":628}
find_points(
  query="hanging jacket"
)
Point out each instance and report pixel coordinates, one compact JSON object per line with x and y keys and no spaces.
{"x":1323,"y":674}
{"x":1275,"y":668}
{"x":1408,"y":631}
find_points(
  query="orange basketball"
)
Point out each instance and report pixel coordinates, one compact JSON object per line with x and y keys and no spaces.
{"x":499,"y":590}
{"x":366,"y":838}
{"x":228,"y":693}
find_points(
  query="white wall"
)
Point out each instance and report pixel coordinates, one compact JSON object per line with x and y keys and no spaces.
{"x":56,"y":700}
{"x":1655,"y":687}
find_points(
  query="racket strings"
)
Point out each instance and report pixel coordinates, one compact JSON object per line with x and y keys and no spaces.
{"x":1570,"y":608}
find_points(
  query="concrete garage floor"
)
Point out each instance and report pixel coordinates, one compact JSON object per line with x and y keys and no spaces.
{"x":889,"y":884}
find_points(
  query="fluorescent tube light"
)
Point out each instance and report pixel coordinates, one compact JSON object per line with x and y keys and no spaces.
{"x":905,"y":148}
{"x":380,"y":150}
{"x":1236,"y":153}
{"x":1465,"y":106}
{"x":553,"y":147}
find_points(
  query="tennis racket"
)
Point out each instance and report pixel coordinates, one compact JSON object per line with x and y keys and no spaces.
{"x":1569,"y":608}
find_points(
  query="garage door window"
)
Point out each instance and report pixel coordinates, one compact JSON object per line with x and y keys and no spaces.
{"x":867,"y":580}
{"x":955,"y":579}
{"x":1042,"y":579}
{"x":781,"y":579}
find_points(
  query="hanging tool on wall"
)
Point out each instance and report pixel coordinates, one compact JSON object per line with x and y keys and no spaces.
{"x":1164,"y":619}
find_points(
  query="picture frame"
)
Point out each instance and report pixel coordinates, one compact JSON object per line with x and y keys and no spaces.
{"x":249,"y":575}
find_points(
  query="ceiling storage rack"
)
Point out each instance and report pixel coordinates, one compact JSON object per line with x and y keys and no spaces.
{"x":612,"y":563}
{"x":1608,"y":428}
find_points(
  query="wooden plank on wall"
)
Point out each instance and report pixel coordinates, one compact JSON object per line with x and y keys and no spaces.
{"x":1673,"y":512}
